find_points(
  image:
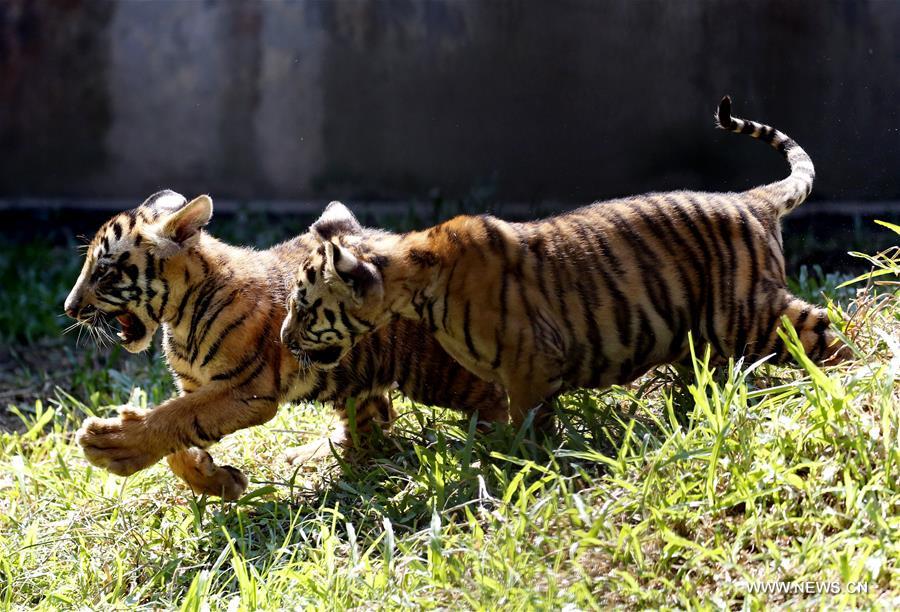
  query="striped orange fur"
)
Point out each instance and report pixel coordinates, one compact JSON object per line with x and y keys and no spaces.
{"x":220,"y":308}
{"x":589,"y":298}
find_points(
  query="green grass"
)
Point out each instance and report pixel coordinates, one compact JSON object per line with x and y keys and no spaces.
{"x":677,"y":491}
{"x":31,"y":303}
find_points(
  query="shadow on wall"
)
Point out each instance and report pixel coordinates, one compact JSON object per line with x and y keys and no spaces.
{"x":570,"y":102}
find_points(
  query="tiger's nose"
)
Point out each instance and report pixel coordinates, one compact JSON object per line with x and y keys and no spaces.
{"x":72,"y":307}
{"x":76,"y":310}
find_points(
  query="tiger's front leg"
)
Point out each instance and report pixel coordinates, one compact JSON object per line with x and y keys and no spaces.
{"x":526,"y":394}
{"x":138,"y":438}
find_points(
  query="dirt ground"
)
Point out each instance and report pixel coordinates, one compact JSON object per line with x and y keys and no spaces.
{"x":30,"y":372}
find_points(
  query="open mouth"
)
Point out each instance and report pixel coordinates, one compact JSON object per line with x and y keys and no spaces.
{"x":327,"y":355}
{"x":131,"y":327}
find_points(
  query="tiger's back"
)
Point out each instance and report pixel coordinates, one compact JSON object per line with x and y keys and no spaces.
{"x":606,"y":292}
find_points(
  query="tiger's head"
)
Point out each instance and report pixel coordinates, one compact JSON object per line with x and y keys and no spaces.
{"x":119,"y":281}
{"x":338,"y":291}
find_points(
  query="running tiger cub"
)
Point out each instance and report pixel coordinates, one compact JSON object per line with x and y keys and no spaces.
{"x":221,"y":309}
{"x":590,"y":298}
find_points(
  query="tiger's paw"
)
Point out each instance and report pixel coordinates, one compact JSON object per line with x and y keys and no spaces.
{"x":312,"y":451}
{"x":490,"y":418}
{"x":197,"y":468}
{"x":840,"y":352}
{"x":835,"y":351}
{"x":123,"y":444}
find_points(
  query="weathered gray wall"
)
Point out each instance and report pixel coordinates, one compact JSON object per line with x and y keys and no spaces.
{"x":570,"y":100}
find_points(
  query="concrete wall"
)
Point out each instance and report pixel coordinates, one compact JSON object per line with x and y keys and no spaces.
{"x":570,"y":100}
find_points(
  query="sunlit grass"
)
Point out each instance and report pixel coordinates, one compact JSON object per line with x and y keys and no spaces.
{"x":675,"y":492}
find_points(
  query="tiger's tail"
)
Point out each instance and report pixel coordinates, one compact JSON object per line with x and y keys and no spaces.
{"x":789,"y":192}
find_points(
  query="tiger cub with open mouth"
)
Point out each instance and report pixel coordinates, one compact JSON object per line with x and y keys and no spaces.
{"x":221,"y":308}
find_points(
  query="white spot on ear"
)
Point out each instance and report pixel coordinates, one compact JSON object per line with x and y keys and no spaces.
{"x":336,"y":211}
{"x":335,"y":220}
{"x":169,"y":201}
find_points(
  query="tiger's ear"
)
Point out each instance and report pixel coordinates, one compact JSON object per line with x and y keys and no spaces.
{"x":362,"y":278}
{"x":337,"y":220}
{"x":179,"y":228}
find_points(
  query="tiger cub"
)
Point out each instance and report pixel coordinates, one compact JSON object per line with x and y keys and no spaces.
{"x":590,"y":298}
{"x":221,"y":308}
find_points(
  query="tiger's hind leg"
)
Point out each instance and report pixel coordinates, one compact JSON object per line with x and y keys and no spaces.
{"x":196,"y":467}
{"x":811,"y":322}
{"x":371,"y":412}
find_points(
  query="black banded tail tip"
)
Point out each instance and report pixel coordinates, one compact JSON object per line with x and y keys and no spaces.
{"x":724,"y":115}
